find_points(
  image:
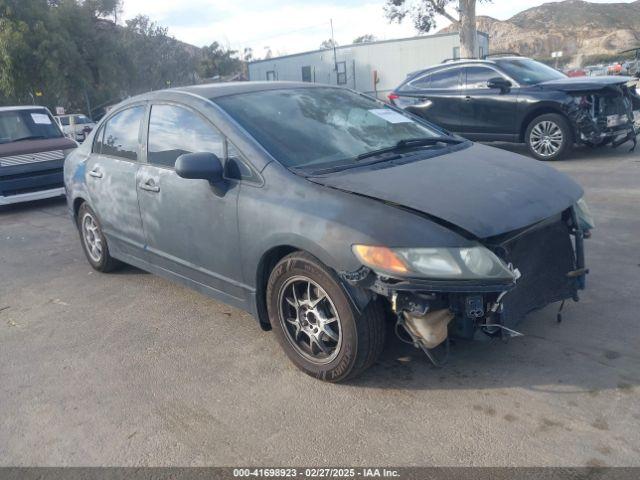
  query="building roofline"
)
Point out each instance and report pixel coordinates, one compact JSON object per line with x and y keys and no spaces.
{"x":356,"y":45}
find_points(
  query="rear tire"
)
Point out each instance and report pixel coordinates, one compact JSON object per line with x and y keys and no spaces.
{"x":549,"y":137}
{"x":94,"y":242}
{"x":303,"y":296}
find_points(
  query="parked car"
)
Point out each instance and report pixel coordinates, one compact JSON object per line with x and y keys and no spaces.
{"x":595,"y":70}
{"x":633,"y":65}
{"x":576,"y":72}
{"x":326,"y":214}
{"x":32,"y":152}
{"x":517,"y":99}
{"x":76,"y":126}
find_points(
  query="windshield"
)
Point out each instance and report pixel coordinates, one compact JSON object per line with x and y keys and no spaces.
{"x":78,"y":120}
{"x":312,"y":126}
{"x":529,"y":72}
{"x":28,"y":124}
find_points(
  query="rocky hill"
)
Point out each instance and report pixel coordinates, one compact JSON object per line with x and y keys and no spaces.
{"x":576,"y":27}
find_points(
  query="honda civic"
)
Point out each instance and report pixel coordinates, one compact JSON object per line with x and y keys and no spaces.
{"x":330,"y":216}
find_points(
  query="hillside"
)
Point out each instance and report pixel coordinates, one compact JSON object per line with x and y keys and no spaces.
{"x":574,"y":26}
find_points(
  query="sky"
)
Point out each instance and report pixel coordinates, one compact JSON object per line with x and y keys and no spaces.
{"x":289,"y":26}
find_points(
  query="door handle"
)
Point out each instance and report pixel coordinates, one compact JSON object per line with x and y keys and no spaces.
{"x":150,"y":186}
{"x":96,"y":173}
{"x":468,"y":98}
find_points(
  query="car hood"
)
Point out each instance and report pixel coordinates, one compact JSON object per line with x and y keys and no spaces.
{"x":36,"y":145}
{"x":579,"y":84}
{"x":482,"y":190}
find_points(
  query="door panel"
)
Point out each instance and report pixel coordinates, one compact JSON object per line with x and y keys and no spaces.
{"x":191,"y":227}
{"x":112,"y":186}
{"x":436,"y":97}
{"x":487,"y":112}
{"x":111,"y":181}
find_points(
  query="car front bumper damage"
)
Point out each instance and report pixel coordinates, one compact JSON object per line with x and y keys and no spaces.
{"x":610,"y":116}
{"x":548,"y":264}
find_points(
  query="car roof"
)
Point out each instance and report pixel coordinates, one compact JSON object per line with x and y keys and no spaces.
{"x":462,"y":62}
{"x":211,"y":91}
{"x":214,"y":90}
{"x":22,"y":107}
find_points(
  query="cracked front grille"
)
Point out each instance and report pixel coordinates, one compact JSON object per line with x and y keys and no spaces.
{"x":544,"y":257}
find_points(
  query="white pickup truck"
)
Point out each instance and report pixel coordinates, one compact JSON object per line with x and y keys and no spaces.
{"x":75,"y":126}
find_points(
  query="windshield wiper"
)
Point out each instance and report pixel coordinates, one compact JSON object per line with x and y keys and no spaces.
{"x":30,"y":137}
{"x":410,"y":143}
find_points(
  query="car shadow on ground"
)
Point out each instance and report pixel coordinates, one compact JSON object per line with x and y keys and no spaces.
{"x":126,"y":269}
{"x":550,"y":357}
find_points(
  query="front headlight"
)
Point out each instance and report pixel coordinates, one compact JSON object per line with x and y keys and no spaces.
{"x":585,"y":219}
{"x":472,"y":263}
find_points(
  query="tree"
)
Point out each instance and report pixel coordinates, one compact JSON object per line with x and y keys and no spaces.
{"x":330,"y":43}
{"x":72,"y":53}
{"x":424,"y":12}
{"x":368,"y":38}
{"x":218,"y":61}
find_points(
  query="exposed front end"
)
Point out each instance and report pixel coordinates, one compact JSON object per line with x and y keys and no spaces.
{"x":541,"y":264}
{"x":607,"y":116}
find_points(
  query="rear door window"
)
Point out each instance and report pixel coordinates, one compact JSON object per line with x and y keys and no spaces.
{"x":97,"y":141}
{"x":441,"y":80}
{"x":122,"y":133}
{"x":175,"y":130}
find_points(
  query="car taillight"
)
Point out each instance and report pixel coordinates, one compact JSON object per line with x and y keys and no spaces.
{"x":393,"y":96}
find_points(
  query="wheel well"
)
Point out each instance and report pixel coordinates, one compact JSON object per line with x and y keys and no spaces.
{"x":76,"y":207}
{"x":536,"y":113}
{"x":267,"y":262}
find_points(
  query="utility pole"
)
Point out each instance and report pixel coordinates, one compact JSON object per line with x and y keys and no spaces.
{"x":86,"y":99}
{"x":333,"y":42}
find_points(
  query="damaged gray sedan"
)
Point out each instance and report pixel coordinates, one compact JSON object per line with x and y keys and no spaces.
{"x":329,"y":216}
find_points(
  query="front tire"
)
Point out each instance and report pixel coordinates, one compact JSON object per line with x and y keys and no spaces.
{"x":317,"y":324}
{"x":94,"y":242}
{"x":549,"y":137}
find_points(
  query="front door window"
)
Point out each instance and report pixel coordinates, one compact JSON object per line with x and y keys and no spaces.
{"x":175,"y":130}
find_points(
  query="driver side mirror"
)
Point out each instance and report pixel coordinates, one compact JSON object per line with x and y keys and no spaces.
{"x":500,"y":83}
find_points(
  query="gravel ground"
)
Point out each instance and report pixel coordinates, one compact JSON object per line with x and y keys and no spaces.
{"x":130,"y":369}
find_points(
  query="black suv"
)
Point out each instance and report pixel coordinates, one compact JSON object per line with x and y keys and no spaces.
{"x":517,"y":99}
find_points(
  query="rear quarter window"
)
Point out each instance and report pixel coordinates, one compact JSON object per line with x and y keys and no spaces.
{"x":442,"y":79}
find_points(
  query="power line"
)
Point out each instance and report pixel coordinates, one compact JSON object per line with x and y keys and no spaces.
{"x":281,"y":34}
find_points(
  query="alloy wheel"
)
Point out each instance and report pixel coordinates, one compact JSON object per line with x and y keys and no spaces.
{"x":91,"y":237}
{"x":310,"y":320}
{"x":546,"y":138}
